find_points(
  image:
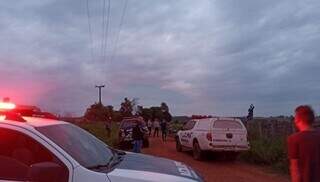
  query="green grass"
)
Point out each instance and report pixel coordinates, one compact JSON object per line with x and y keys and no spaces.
{"x":99,"y":131}
{"x":268,"y":151}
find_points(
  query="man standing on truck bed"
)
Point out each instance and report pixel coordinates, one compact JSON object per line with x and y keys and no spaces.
{"x":304,"y":147}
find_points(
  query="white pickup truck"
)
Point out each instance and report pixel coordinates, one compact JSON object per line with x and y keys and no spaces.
{"x":215,"y":134}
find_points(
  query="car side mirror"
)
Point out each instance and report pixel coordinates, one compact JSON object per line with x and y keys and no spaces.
{"x":45,"y":172}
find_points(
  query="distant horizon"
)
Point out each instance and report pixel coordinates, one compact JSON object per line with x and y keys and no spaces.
{"x":117,"y":107}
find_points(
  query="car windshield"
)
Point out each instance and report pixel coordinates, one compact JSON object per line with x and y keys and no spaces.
{"x":79,"y":144}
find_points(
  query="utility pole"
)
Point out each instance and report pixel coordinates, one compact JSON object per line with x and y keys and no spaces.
{"x":100,"y":87}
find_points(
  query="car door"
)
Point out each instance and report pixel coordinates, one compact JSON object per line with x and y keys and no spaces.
{"x":186,"y":134}
{"x":20,"y":155}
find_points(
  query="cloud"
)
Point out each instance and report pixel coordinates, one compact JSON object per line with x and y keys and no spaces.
{"x":210,"y":57}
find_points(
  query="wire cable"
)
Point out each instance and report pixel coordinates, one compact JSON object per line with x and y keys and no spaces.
{"x":90,"y":31}
{"x":103,"y":27}
{"x":118,"y":35}
{"x":106,"y":31}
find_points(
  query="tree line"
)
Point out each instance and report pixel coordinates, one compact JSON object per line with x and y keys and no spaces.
{"x":128,"y":108}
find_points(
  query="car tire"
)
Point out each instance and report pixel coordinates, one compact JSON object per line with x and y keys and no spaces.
{"x":196,"y":151}
{"x":178,"y":145}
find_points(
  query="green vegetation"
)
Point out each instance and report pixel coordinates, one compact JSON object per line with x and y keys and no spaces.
{"x":99,"y":131}
{"x":175,"y":126}
{"x":267,"y":151}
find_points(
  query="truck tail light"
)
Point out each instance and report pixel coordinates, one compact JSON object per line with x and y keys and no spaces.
{"x":209,"y":136}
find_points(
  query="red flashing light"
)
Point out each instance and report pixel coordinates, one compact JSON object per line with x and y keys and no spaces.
{"x":7,"y":106}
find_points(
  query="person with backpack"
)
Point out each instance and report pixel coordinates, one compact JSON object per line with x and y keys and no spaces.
{"x":137,"y":136}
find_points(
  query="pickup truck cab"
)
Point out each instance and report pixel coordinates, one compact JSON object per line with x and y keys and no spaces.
{"x":49,"y":150}
{"x":125,"y":132}
{"x":225,"y":135}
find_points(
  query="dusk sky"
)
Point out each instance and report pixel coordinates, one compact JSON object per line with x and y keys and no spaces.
{"x":200,"y":57}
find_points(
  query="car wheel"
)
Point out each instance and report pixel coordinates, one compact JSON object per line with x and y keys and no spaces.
{"x":197,"y":152}
{"x":178,"y":145}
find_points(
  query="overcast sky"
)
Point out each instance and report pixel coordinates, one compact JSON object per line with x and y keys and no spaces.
{"x":201,"y":57}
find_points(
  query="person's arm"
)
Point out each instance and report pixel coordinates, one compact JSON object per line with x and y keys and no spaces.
{"x":293,"y":154}
{"x":294,"y":170}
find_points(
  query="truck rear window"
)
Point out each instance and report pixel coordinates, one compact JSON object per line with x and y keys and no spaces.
{"x":227,"y":124}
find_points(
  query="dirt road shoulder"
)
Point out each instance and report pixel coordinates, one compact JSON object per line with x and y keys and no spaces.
{"x":213,"y":170}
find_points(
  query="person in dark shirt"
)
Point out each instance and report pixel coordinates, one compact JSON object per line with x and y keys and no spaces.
{"x":164,"y":130}
{"x":137,"y":136}
{"x":304,"y":147}
{"x":108,"y":128}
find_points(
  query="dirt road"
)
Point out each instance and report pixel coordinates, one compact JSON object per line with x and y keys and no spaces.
{"x":214,"y":170}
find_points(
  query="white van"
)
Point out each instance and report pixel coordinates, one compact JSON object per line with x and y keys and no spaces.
{"x":213,"y":134}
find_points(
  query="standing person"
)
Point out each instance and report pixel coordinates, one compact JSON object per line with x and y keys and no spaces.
{"x":164,"y":130}
{"x":156,"y":125}
{"x":250,"y":112}
{"x":304,"y":147}
{"x":108,"y":128}
{"x":137,"y":136}
{"x":149,"y":123}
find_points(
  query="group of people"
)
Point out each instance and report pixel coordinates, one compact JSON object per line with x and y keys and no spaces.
{"x":157,"y":125}
{"x":137,"y":132}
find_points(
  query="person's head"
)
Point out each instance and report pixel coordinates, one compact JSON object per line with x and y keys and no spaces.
{"x":304,"y":117}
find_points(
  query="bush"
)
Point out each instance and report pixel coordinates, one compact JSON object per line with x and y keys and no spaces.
{"x":268,"y":151}
{"x":99,"y":131}
{"x":175,"y":126}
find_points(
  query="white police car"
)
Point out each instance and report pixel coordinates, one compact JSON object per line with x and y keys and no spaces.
{"x":203,"y":134}
{"x":47,"y":150}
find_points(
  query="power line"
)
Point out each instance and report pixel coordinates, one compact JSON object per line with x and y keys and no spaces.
{"x":120,"y":26}
{"x":106,"y":31}
{"x":90,"y":30}
{"x":103,"y":27}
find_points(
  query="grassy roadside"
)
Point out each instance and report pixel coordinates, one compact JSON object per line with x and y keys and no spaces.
{"x":264,"y":151}
{"x":268,"y":152}
{"x":98,"y":130}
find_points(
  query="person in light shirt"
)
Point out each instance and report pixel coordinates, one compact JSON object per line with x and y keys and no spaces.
{"x":156,"y":125}
{"x":149,"y":124}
